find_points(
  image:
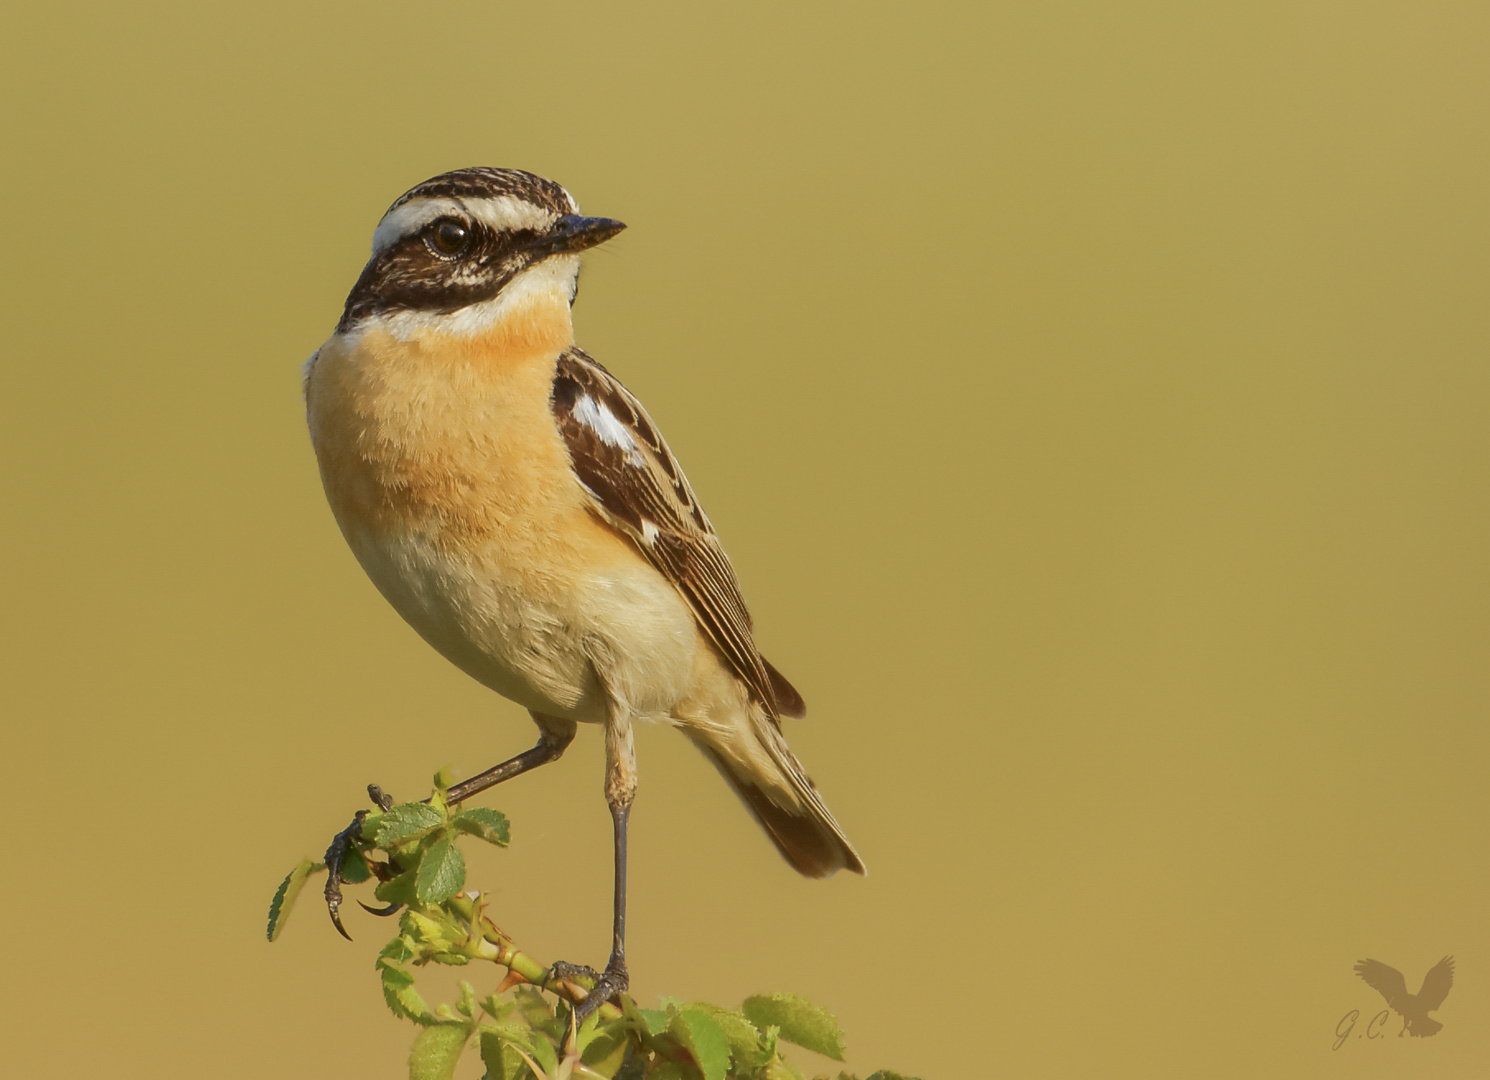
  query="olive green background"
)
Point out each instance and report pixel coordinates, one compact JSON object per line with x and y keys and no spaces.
{"x":1093,"y":400}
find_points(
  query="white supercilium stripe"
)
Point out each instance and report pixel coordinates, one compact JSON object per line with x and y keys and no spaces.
{"x":501,"y":212}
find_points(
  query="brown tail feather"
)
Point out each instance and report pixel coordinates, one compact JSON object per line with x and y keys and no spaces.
{"x":788,"y":701}
{"x":807,"y":837}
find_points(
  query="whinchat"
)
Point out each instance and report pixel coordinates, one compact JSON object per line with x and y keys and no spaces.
{"x":519,"y":508}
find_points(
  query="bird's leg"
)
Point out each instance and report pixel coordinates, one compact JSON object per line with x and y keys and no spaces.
{"x":555,"y":737}
{"x":620,"y":789}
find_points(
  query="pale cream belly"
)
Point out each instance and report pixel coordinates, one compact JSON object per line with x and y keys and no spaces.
{"x":550,"y":637}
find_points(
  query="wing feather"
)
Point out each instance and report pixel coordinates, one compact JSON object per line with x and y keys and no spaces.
{"x":626,"y":467}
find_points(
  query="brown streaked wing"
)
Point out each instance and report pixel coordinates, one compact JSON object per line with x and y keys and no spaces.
{"x":623,"y":462}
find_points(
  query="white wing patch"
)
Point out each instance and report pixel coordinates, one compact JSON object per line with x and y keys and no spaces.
{"x":595,"y":416}
{"x":649,"y":532}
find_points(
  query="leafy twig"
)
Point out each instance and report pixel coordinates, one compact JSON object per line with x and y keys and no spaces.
{"x":412,"y":850}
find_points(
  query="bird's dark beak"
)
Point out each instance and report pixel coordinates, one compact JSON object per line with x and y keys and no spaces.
{"x":573,"y":233}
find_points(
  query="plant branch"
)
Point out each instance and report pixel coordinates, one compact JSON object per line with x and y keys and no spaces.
{"x":499,"y":948}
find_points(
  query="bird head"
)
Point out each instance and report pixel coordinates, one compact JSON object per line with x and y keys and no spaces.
{"x":466,"y":250}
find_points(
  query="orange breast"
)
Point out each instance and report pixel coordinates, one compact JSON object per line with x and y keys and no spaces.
{"x":450,"y":479}
{"x":453,"y":438}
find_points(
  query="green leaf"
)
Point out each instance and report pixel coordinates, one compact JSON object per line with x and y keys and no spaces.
{"x":800,"y":1021}
{"x":607,"y":1050}
{"x":776,"y":1069}
{"x":585,"y":1034}
{"x":634,"y":1018}
{"x":514,"y":1031}
{"x":656,"y":1020}
{"x":544,"y":1054}
{"x":403,"y":1000}
{"x":496,"y":1008}
{"x":405,"y":822}
{"x":533,"y":1005}
{"x":503,"y":1062}
{"x":354,"y":869}
{"x":490,"y":825}
{"x":398,"y":890}
{"x":398,"y":951}
{"x":438,"y":937}
{"x":284,"y":896}
{"x":697,"y":1031}
{"x":539,"y":1014}
{"x":436,"y":1051}
{"x":745,"y":1050}
{"x":442,"y":872}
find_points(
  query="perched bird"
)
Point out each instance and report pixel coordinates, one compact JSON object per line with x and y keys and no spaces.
{"x":517,"y":506}
{"x":1414,"y":1008}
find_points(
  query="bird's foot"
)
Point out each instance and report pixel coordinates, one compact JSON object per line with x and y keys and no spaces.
{"x":343,"y":844}
{"x":609,"y":983}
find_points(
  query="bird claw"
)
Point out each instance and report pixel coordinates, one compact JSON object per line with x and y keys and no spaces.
{"x":342,"y":844}
{"x":562,"y":969}
{"x":609,"y":983}
{"x":336,"y":857}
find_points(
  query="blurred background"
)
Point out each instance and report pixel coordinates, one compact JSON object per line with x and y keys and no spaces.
{"x":1092,"y":398}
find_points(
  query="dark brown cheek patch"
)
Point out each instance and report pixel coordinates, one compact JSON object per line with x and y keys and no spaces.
{"x":410,"y":277}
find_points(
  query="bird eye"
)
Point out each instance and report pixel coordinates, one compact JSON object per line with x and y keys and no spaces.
{"x":448,"y":236}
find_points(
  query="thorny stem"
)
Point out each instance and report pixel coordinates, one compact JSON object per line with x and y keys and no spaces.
{"x":522,"y":968}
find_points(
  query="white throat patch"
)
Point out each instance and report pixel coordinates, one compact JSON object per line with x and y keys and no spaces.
{"x":550,"y":282}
